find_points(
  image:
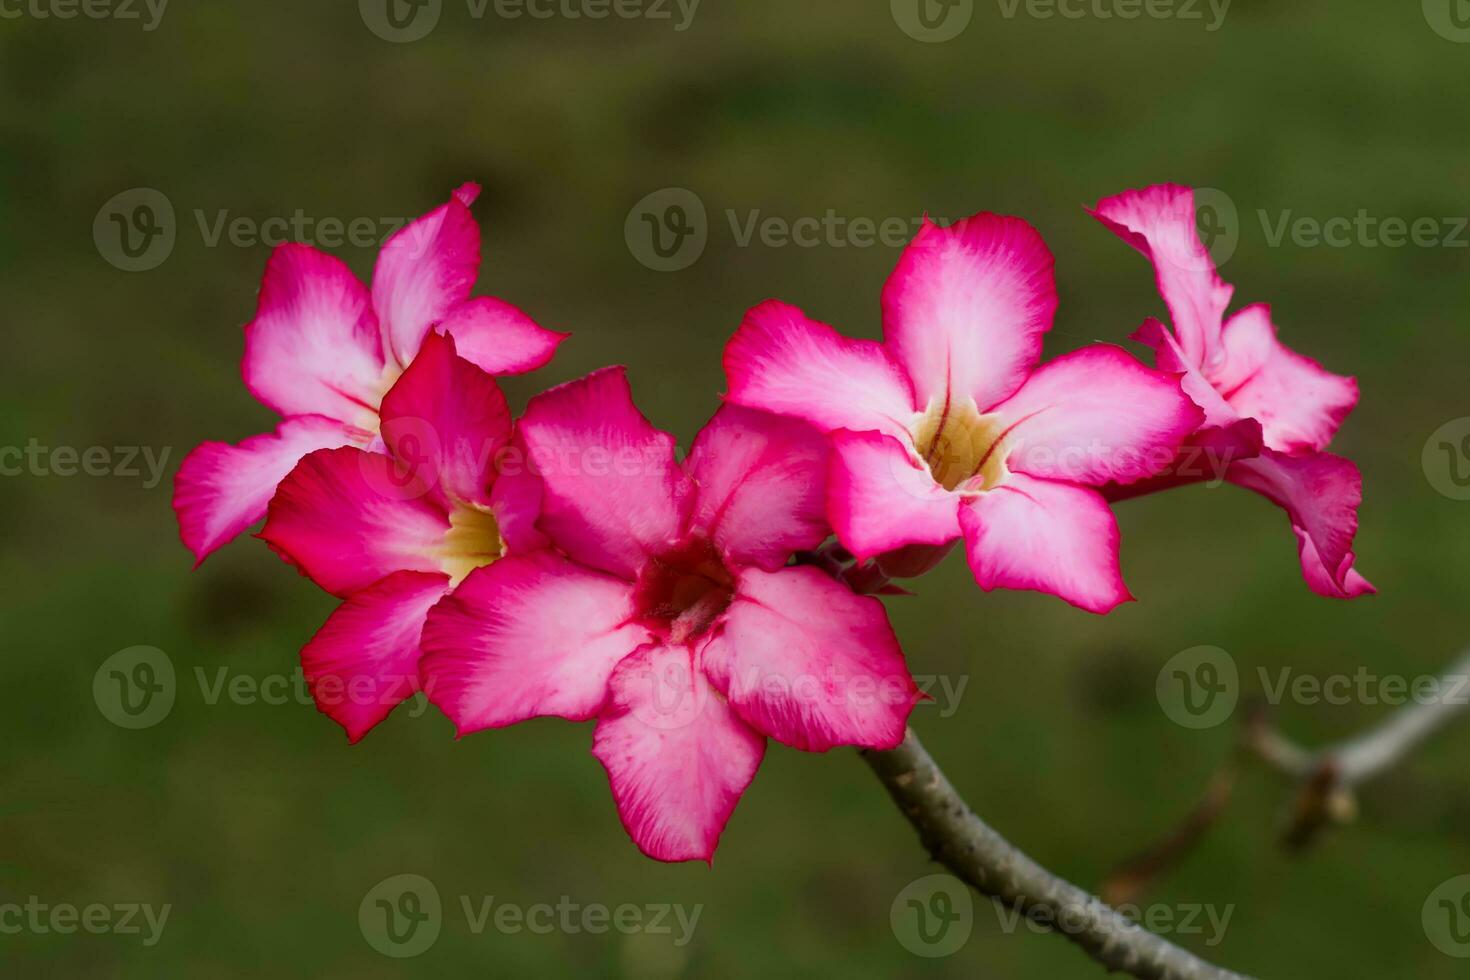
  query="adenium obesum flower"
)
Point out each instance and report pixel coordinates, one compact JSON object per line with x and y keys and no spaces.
{"x":949,"y":428}
{"x":1268,"y":410}
{"x":392,"y":532}
{"x":669,"y":613}
{"x":322,"y":351}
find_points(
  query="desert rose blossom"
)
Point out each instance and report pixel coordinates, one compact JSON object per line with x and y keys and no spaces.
{"x":322,"y":351}
{"x":668,"y":613}
{"x":949,"y":429}
{"x":1269,"y":411}
{"x":392,"y":532}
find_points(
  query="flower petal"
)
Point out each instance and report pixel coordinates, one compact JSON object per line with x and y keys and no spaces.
{"x":761,"y":483}
{"x":347,"y":518}
{"x":782,"y":361}
{"x":221,"y":490}
{"x":1096,"y":415}
{"x":1320,"y":494}
{"x":1159,"y":221}
{"x":365,"y":660}
{"x":313,"y":347}
{"x":880,"y":498}
{"x":805,"y":660}
{"x":527,"y":637}
{"x":967,"y":306}
{"x":613,"y":493}
{"x":425,"y":270}
{"x":1047,"y":537}
{"x":448,"y":420}
{"x":676,"y":755}
{"x":498,"y":337}
{"x":1299,"y":403}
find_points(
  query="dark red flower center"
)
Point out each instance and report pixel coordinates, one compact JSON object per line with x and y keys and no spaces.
{"x":681,"y":593}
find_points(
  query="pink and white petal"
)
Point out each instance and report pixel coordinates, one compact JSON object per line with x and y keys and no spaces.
{"x":365,"y":660}
{"x":1045,"y":536}
{"x":677,"y":757}
{"x":612,"y":491}
{"x":1159,"y":221}
{"x":220,"y":489}
{"x":1320,"y":494}
{"x":347,"y":518}
{"x":967,"y":307}
{"x":805,"y":660}
{"x":498,"y":337}
{"x":1096,"y":416}
{"x":529,"y":636}
{"x":782,"y":361}
{"x":313,"y":347}
{"x":761,"y":486}
{"x":449,"y":418}
{"x":1171,"y":359}
{"x":1205,"y":457}
{"x":880,"y":498}
{"x":426,"y":269}
{"x":1299,"y":403}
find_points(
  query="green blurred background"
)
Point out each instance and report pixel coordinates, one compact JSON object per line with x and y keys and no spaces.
{"x":264,"y":830}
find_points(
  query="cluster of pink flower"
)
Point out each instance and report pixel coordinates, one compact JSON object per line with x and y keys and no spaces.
{"x":568,"y":564}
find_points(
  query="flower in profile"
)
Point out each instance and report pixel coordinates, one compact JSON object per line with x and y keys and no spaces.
{"x":323,"y":350}
{"x":949,"y":428}
{"x":391,"y":532}
{"x":669,"y":614}
{"x":1269,"y":411}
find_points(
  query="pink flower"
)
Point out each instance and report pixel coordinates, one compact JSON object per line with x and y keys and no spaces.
{"x":948,"y":428}
{"x":1271,"y":409}
{"x":669,"y":614}
{"x":391,"y":532}
{"x":322,"y":351}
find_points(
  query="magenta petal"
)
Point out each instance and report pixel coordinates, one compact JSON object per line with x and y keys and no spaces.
{"x":499,"y":338}
{"x":967,"y":307}
{"x":527,"y":637}
{"x":515,"y":499}
{"x":761,"y":483}
{"x":1095,"y":416}
{"x":313,"y":347}
{"x":677,"y":757}
{"x":808,"y":662}
{"x":447,"y":419}
{"x":612,"y":491}
{"x":365,"y":660}
{"x":1159,"y":221}
{"x":345,"y":519}
{"x":1046,"y":537}
{"x":425,"y":270}
{"x":782,"y":361}
{"x":221,"y":490}
{"x":1299,"y":403}
{"x":881,"y":498}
